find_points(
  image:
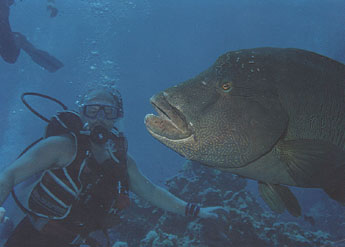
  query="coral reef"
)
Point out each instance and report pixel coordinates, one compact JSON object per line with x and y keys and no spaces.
{"x":245,"y":224}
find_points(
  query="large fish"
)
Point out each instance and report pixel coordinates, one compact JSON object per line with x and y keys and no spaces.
{"x":269,"y":114}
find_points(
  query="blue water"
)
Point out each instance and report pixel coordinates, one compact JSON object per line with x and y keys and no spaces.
{"x":144,"y":46}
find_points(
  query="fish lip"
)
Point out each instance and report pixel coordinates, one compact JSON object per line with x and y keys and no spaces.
{"x":172,"y":122}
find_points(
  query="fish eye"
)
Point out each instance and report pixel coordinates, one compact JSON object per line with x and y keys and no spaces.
{"x":227,"y":86}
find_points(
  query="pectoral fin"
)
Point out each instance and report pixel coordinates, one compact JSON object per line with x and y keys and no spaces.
{"x":335,"y":187}
{"x":279,"y":198}
{"x":309,"y":162}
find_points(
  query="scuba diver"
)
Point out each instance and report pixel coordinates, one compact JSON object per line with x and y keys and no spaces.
{"x":87,"y":176}
{"x":12,"y":42}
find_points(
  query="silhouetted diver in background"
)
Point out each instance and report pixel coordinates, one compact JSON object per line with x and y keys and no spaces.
{"x":12,"y":42}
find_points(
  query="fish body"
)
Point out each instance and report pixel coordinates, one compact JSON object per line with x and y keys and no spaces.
{"x":274,"y":115}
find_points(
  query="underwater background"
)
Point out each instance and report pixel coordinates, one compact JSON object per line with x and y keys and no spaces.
{"x":145,"y":46}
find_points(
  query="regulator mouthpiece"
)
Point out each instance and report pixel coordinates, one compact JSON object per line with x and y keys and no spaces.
{"x":99,"y":135}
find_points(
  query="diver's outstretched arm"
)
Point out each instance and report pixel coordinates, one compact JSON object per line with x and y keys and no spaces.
{"x":162,"y":198}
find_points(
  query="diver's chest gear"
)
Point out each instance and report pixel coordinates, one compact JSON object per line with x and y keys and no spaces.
{"x":104,"y":192}
{"x":85,"y":190}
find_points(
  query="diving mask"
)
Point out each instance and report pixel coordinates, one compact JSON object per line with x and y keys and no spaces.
{"x":94,"y":111}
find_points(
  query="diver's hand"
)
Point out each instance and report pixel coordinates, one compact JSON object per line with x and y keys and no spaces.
{"x":3,"y":218}
{"x":211,"y":212}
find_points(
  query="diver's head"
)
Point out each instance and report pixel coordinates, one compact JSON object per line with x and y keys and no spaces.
{"x":101,"y":107}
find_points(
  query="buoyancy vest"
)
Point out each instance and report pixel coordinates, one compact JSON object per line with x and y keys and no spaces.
{"x":84,"y":192}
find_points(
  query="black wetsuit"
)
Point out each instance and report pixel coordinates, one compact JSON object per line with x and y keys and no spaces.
{"x":8,"y":48}
{"x":101,"y":191}
{"x":25,"y":234}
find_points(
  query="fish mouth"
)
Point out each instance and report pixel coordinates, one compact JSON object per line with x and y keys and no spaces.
{"x":170,"y":123}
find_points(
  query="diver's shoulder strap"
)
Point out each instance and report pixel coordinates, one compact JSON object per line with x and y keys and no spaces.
{"x":63,"y":123}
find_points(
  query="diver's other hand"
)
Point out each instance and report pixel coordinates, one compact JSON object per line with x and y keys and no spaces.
{"x":212,"y":212}
{"x":3,"y":218}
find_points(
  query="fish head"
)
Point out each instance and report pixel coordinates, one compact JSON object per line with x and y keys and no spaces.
{"x":223,"y":118}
